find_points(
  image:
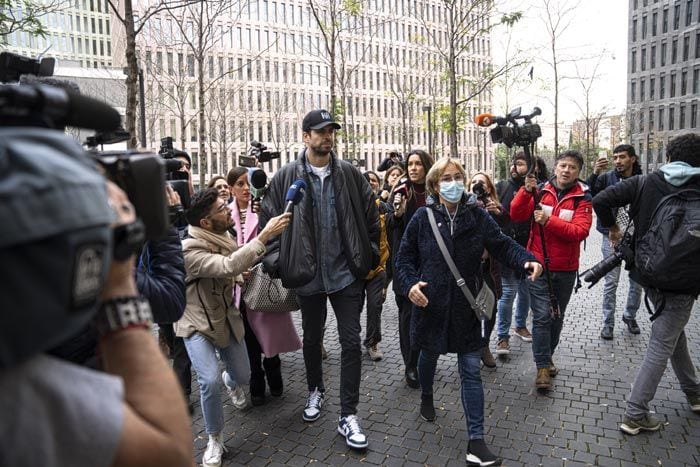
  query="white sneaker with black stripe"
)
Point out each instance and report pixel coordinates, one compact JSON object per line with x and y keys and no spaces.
{"x":349,"y":426}
{"x":312,"y":409}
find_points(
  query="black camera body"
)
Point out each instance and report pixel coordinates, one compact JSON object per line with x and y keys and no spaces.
{"x":623,"y":251}
{"x":261,"y":153}
{"x":509,"y":132}
{"x":480,"y":191}
{"x":177,"y":179}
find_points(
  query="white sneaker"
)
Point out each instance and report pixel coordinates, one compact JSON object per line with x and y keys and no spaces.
{"x":349,"y":427}
{"x":312,"y":409}
{"x":236,"y":393}
{"x":215,"y":450}
{"x":374,"y":353}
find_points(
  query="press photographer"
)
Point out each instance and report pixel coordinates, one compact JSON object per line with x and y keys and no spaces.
{"x":665,"y":210}
{"x":67,"y":241}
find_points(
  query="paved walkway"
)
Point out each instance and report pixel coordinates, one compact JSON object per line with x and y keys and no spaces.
{"x":575,"y":424}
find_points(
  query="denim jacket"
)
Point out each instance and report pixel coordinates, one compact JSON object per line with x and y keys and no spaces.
{"x":332,"y":272}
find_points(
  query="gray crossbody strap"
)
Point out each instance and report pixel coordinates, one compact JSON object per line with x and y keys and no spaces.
{"x":451,"y":264}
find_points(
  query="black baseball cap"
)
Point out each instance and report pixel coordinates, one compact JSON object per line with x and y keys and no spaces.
{"x":317,"y":119}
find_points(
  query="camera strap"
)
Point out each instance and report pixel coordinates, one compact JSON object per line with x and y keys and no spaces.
{"x":554,"y":310}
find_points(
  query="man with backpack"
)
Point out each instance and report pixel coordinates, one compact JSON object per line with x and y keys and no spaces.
{"x":665,"y":209}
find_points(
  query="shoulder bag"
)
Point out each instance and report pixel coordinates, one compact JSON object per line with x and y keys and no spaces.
{"x":485,"y":299}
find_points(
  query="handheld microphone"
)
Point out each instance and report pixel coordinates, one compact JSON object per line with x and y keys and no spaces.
{"x":295,"y":193}
{"x":485,"y":119}
{"x":401,"y":188}
{"x":258,"y":182}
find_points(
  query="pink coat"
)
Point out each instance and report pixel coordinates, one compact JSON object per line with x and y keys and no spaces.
{"x":275,"y":331}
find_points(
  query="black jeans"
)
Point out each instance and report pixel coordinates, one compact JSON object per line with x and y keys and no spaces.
{"x":181,"y":361}
{"x":410,"y":356}
{"x":374,"y":288}
{"x":347,"y":305}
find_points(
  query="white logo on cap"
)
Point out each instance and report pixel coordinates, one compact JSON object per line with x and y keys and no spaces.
{"x":87,"y":279}
{"x":326,"y":116}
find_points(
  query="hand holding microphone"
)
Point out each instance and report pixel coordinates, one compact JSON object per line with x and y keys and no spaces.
{"x":276,"y":225}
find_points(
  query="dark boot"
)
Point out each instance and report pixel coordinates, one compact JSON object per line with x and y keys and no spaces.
{"x":427,"y":409}
{"x":257,"y":388}
{"x":273,"y":371}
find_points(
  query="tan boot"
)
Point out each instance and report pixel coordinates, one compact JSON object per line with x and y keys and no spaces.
{"x":553,"y":370}
{"x":487,"y":358}
{"x":543,"y":380}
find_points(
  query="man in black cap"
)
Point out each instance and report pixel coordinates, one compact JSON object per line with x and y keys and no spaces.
{"x":327,"y":251}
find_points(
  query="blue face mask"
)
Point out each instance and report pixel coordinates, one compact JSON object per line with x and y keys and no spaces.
{"x":452,"y":191}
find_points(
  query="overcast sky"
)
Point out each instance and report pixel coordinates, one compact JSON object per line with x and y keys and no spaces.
{"x":597,"y":31}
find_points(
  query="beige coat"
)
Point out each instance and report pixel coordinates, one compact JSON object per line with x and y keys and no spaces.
{"x":213,"y":264}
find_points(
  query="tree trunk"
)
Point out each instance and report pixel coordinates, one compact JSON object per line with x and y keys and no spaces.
{"x":132,"y":74}
{"x":453,"y":129}
{"x":556,"y":98}
{"x":202,"y":121}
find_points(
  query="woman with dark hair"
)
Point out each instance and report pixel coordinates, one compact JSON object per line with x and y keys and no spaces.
{"x":487,"y":198}
{"x":407,"y":197}
{"x":266,"y":334}
{"x":219,"y":182}
{"x":391,"y":177}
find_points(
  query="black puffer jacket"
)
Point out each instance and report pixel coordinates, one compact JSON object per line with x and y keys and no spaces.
{"x":293,"y":254}
{"x":160,"y":277}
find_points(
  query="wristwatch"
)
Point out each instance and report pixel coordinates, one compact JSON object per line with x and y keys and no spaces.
{"x":122,"y":313}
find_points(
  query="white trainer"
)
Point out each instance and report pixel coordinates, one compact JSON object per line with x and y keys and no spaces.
{"x":214,"y":452}
{"x":237,"y":394}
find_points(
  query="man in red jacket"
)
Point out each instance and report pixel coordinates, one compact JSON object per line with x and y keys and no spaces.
{"x":562,"y":218}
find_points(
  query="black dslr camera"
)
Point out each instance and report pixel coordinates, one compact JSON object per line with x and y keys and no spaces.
{"x":480,"y":191}
{"x":177,"y":179}
{"x":623,"y":251}
{"x":510,"y":133}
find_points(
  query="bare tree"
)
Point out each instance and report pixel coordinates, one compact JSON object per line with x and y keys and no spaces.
{"x":558,"y":16}
{"x":124,"y":13}
{"x":591,"y":118}
{"x":467,"y":23}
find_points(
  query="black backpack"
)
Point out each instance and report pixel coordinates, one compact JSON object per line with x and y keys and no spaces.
{"x":667,"y":256}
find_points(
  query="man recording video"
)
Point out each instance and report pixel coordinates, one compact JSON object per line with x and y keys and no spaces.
{"x":664,"y":207}
{"x":626,"y":165}
{"x":55,"y":412}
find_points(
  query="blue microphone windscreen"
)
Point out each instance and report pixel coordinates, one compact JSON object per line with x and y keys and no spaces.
{"x":295,"y":192}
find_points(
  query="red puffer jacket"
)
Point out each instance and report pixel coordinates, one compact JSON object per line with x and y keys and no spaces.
{"x":568,"y":225}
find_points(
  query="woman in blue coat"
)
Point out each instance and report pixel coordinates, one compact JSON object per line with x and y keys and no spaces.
{"x":442,"y":321}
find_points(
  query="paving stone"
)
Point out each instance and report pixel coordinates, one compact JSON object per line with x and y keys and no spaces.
{"x":577,"y":423}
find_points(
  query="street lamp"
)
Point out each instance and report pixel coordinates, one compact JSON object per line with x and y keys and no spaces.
{"x":429,"y":109}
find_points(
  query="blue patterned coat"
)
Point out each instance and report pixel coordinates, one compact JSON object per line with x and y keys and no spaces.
{"x":448,"y":324}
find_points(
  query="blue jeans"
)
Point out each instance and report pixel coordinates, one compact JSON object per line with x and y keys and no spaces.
{"x":511,"y":285}
{"x":545,"y":329}
{"x":666,"y":341}
{"x":472,"y":388}
{"x":203,"y":355}
{"x":634,"y":296}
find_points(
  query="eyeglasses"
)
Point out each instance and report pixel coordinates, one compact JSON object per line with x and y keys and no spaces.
{"x":448,"y":178}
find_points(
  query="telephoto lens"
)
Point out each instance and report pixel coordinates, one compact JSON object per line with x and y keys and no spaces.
{"x":599,"y":271}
